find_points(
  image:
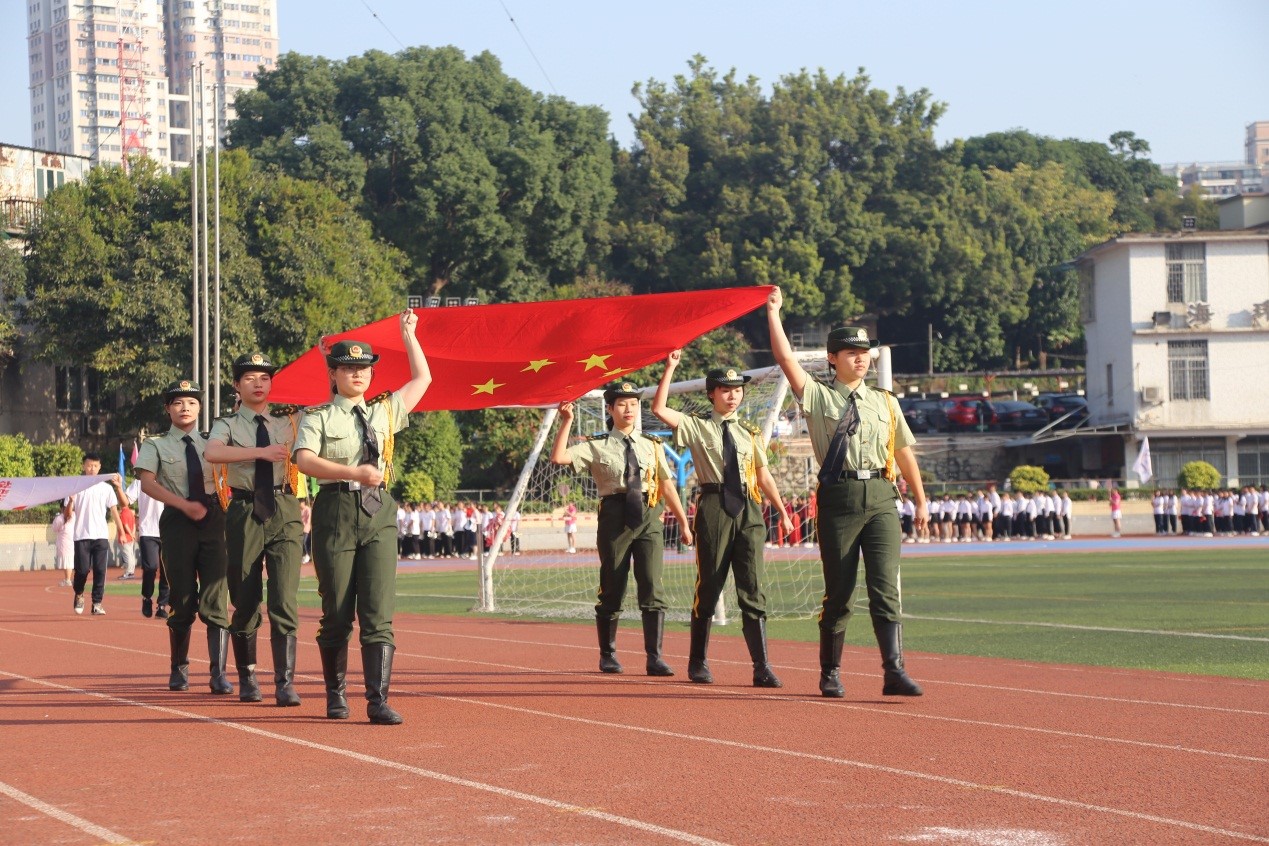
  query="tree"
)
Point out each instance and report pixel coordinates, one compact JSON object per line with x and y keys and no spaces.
{"x":487,"y":186}
{"x":432,"y":445}
{"x":12,"y":289}
{"x":1198,"y":475}
{"x":1028,"y":478}
{"x":415,"y":486}
{"x":57,"y":459}
{"x":1169,"y":208}
{"x":498,"y":443}
{"x":111,"y":271}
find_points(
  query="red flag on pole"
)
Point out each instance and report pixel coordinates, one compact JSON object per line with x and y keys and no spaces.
{"x":526,"y":353}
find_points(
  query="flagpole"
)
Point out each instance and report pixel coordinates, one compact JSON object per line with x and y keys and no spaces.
{"x":487,"y":601}
{"x":193,"y":228}
{"x":207,"y":415}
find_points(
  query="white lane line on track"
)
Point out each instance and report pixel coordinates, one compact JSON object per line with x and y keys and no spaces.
{"x":91,"y":829}
{"x":978,"y":685}
{"x":670,"y":833}
{"x":1031,"y":623}
{"x":602,"y":816}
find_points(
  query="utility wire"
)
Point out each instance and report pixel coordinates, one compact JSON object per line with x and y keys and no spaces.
{"x":528,"y":47}
{"x":375,"y":15}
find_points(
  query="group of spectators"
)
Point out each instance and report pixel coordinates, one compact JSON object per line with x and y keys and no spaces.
{"x":460,"y":530}
{"x":1244,"y":511}
{"x":802,"y":513}
{"x":987,"y":515}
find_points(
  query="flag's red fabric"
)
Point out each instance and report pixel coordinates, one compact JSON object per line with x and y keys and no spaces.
{"x":526,"y":353}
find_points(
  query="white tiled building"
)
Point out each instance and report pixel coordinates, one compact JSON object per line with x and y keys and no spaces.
{"x":1177,"y":327}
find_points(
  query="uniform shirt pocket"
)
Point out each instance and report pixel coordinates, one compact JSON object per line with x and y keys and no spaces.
{"x":340,"y":447}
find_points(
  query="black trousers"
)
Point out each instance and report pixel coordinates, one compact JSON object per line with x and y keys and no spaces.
{"x":152,"y":569}
{"x":92,"y":554}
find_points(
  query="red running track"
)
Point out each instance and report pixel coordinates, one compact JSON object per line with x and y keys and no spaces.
{"x":511,"y":736}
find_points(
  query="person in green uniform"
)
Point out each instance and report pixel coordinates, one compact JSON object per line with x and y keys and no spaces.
{"x":730,"y":457}
{"x":263,"y":531}
{"x":634,"y":486}
{"x":191,"y":534}
{"x":860,"y":438}
{"x":346,"y":445}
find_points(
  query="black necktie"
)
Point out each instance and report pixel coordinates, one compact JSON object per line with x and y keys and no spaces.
{"x":835,"y":458}
{"x":263,"y":505}
{"x":733,"y":493}
{"x":194,"y":470}
{"x":371,"y":498}
{"x":634,"y":488}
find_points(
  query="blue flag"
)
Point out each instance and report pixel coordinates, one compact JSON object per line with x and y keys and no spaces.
{"x":123,"y":472}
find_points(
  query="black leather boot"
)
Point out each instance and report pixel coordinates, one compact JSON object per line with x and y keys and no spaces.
{"x":245,"y":661}
{"x":607,"y":629}
{"x":756,"y":639}
{"x":217,"y":653}
{"x":284,"y":669}
{"x":697,"y":668}
{"x":376,"y":663}
{"x":830,"y":663}
{"x":890,"y":641}
{"x":653,"y":633}
{"x":178,"y":641}
{"x":334,"y":668}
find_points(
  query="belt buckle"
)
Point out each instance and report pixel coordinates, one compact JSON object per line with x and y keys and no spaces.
{"x":863,"y":474}
{"x":353,"y":486}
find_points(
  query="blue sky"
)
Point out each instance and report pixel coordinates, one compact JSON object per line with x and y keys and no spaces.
{"x":1186,"y":76}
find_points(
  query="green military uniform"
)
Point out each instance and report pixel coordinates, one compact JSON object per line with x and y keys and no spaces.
{"x":193,"y":553}
{"x":354,"y":551}
{"x":274,"y":544}
{"x":618,"y":541}
{"x":723,"y":541}
{"x":856,"y":511}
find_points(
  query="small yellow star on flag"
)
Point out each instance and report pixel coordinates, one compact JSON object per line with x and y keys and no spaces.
{"x":617,"y":370}
{"x":487,"y":388}
{"x":537,"y":364}
{"x":595,"y":361}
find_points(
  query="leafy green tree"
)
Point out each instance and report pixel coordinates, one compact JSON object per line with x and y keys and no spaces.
{"x":1198,"y":475}
{"x":12,"y":289}
{"x":1028,"y":478}
{"x":16,"y":457}
{"x":487,"y":186}
{"x":111,"y":271}
{"x":1169,"y":208}
{"x":434,"y":446}
{"x":498,"y":443}
{"x":57,"y":459}
{"x":415,"y":486}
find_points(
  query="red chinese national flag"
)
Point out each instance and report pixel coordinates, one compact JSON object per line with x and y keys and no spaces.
{"x":526,"y":353}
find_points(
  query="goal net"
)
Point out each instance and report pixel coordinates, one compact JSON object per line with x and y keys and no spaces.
{"x":539,"y":570}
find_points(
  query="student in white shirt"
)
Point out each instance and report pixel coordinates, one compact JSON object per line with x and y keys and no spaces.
{"x":89,"y":508}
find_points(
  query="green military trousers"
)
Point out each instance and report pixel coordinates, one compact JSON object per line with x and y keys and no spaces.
{"x":859,"y":515}
{"x":729,"y":543}
{"x":618,"y":546}
{"x":355,"y":556}
{"x":194,"y":556}
{"x":255,"y":549}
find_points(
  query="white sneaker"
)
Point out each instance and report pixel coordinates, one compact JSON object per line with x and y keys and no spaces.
{"x":571,"y":549}
{"x":79,"y":603}
{"x":1116,"y":534}
{"x":98,"y":611}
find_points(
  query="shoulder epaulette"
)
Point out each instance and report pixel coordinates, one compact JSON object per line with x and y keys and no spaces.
{"x":321,"y":407}
{"x":750,"y":428}
{"x":598,"y":437}
{"x":204,"y":435}
{"x":218,"y":419}
{"x":383,"y":397}
{"x":653,"y":438}
{"x":284,"y":410}
{"x":702,"y":415}
{"x":884,"y":391}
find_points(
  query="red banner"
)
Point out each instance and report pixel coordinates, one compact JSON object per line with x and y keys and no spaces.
{"x":526,"y":353}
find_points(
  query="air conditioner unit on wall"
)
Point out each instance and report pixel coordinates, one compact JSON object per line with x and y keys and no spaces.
{"x":1151,"y":393}
{"x":95,"y":425}
{"x":1162,"y":319}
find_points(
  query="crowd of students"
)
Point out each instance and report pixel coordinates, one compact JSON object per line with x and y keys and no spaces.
{"x":460,"y":530}
{"x":1244,"y":511}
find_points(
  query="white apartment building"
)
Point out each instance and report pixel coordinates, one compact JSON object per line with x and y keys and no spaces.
{"x":1229,"y":179}
{"x":114,"y":78}
{"x":1177,"y":328}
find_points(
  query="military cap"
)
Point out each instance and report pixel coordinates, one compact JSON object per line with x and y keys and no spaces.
{"x":855,"y":337}
{"x":182,"y":388}
{"x":253,"y":362}
{"x":725,"y":379}
{"x":350,"y":352}
{"x":625,"y":390}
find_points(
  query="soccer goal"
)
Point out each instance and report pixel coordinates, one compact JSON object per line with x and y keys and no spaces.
{"x":531,"y":571}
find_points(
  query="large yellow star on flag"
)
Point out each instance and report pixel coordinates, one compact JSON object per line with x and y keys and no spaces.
{"x":537,"y":364}
{"x":595,"y":361}
{"x":487,"y":388}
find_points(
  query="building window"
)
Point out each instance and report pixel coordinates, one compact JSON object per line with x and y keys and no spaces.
{"x":1187,"y":370}
{"x":70,"y":389}
{"x":1253,"y":461}
{"x":1187,"y":273}
{"x":1167,"y":457}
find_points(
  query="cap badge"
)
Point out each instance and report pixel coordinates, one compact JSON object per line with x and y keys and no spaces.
{"x":627,"y":387}
{"x":185,"y":385}
{"x":354,"y":351}
{"x":731,"y":374}
{"x":861,"y":334}
{"x":257,"y":359}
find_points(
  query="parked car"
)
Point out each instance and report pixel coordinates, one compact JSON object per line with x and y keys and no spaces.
{"x":1059,"y":405}
{"x":968,"y":413}
{"x":923,"y":415}
{"x":1021,"y":416}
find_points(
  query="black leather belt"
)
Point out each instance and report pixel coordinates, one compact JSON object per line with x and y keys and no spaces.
{"x":622,"y":497}
{"x":862,"y":474}
{"x":350,"y":486}
{"x":239,"y":493}
{"x":711,"y":487}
